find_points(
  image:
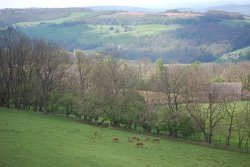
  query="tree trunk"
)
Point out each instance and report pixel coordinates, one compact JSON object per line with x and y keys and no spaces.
{"x":130,"y":125}
{"x":135,"y":127}
{"x":209,"y":138}
{"x":246,"y":145}
{"x":173,"y":132}
{"x":210,"y":130}
{"x":146,"y":128}
{"x":116,"y":124}
{"x":240,"y":138}
{"x":229,"y":132}
{"x":157,"y":130}
{"x":239,"y":143}
{"x":5,"y":100}
{"x":206,"y":137}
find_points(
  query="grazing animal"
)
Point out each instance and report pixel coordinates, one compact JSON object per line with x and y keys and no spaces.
{"x":156,"y":140}
{"x":130,"y":140}
{"x":103,"y":126}
{"x":116,"y":139}
{"x":72,"y":116}
{"x":95,"y":133}
{"x":140,"y":144}
{"x":136,"y":138}
{"x":146,"y":139}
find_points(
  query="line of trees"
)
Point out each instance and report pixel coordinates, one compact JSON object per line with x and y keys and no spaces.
{"x":102,"y":89}
{"x":29,"y":70}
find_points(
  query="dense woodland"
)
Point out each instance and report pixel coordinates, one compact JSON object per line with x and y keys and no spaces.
{"x":105,"y":90}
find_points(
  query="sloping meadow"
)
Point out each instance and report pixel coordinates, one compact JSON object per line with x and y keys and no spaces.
{"x":36,"y":139}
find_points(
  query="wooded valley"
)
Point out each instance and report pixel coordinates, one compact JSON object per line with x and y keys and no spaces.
{"x":176,"y":36}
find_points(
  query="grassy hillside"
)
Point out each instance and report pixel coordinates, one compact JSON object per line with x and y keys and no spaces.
{"x":235,"y":56}
{"x":35,"y":139}
{"x":96,"y":37}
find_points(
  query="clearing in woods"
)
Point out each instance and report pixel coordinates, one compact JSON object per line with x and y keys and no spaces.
{"x":36,"y":139}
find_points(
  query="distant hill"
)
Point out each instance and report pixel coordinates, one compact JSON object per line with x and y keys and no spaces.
{"x":12,"y":16}
{"x":243,"y":9}
{"x":124,"y":8}
{"x":177,"y":35}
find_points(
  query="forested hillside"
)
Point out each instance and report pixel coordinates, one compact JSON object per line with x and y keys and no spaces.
{"x":180,"y":37}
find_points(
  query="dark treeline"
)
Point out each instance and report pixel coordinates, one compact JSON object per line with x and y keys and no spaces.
{"x":174,"y":100}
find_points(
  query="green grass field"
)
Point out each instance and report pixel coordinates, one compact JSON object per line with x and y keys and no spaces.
{"x":91,"y":37}
{"x":35,"y":139}
{"x":136,"y":30}
{"x":95,"y":36}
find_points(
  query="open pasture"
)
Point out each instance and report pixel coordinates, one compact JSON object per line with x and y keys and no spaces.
{"x":35,"y":139}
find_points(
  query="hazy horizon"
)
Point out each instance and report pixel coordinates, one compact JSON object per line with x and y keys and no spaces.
{"x":156,"y":4}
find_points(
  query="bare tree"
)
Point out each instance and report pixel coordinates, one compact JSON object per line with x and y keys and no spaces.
{"x":50,"y":67}
{"x":107,"y":87}
{"x":173,"y":82}
{"x":231,"y":112}
{"x":83,"y":65}
{"x":242,"y":123}
{"x":15,"y":67}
